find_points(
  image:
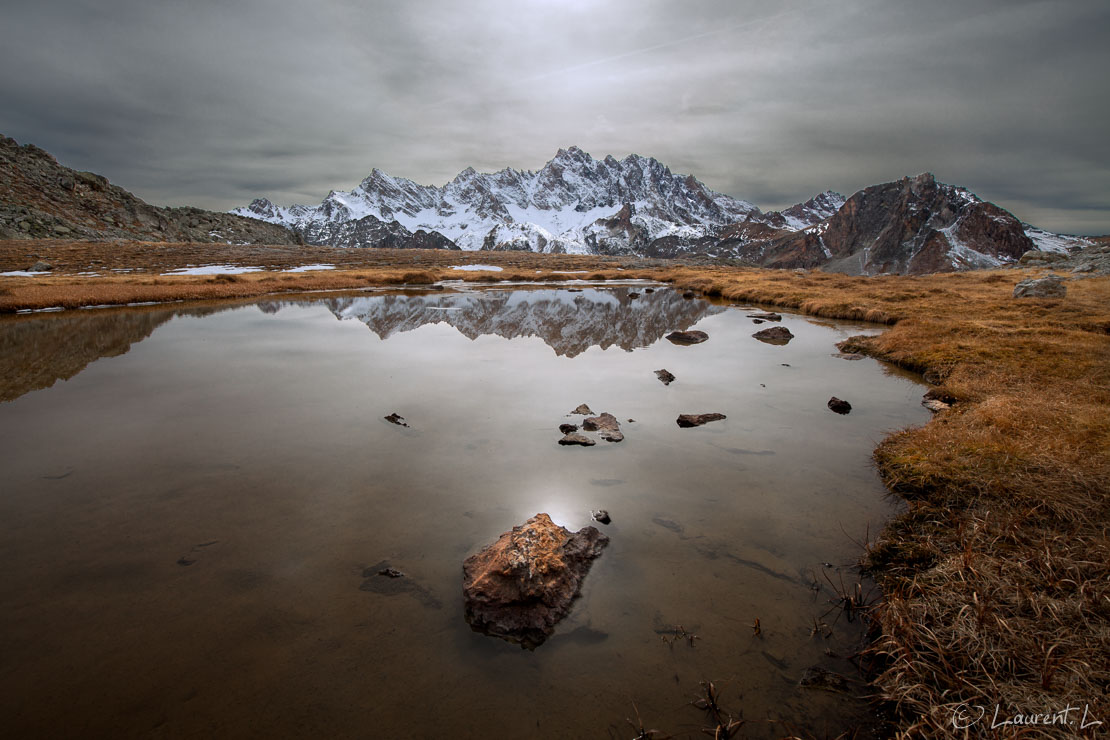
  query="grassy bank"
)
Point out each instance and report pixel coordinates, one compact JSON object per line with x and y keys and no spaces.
{"x":996,"y":581}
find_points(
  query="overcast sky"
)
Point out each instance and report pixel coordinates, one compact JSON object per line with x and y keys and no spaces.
{"x":215,"y":102}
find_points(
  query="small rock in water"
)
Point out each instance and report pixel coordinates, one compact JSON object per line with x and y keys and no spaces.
{"x":601,"y":515}
{"x":633,"y":294}
{"x":688,"y":337}
{"x":583,"y":409}
{"x":606,"y":425}
{"x":574,"y":438}
{"x":774,"y":335}
{"x":765,"y":316}
{"x":688,"y":294}
{"x":665,"y":376}
{"x":649,"y":290}
{"x":696,"y":420}
{"x":568,"y":428}
{"x":839,"y":406}
{"x":391,"y":573}
{"x":396,"y":418}
{"x":757,"y":321}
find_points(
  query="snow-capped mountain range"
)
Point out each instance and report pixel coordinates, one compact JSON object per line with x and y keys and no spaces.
{"x":581,"y":205}
{"x":573,"y":204}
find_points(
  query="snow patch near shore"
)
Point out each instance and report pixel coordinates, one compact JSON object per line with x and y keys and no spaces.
{"x":476,"y":268}
{"x":213,"y":270}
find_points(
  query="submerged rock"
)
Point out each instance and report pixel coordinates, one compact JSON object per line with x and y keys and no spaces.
{"x":774,"y":335}
{"x":606,"y":425}
{"x":519,"y":587}
{"x":382,"y":578}
{"x":665,"y":376}
{"x":574,"y":438}
{"x":839,"y":406}
{"x":1046,"y":287}
{"x":688,"y":337}
{"x":848,"y":355}
{"x":819,"y":678}
{"x":765,"y":316}
{"x":696,"y":420}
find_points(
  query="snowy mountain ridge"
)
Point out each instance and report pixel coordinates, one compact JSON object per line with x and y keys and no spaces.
{"x":573,"y":204}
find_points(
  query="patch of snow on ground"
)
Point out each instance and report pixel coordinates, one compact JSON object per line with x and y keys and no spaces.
{"x":473,"y":268}
{"x":213,"y":270}
{"x":22,"y":273}
{"x":307,"y":268}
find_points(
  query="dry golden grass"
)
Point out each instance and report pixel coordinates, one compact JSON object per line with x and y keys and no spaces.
{"x":997,"y":579}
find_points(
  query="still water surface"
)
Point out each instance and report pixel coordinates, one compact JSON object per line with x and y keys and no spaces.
{"x":185,"y":522}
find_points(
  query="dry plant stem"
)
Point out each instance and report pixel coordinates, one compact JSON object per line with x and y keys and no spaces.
{"x":996,"y":582}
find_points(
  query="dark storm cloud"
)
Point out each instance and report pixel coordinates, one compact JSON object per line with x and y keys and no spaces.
{"x":215,"y":103}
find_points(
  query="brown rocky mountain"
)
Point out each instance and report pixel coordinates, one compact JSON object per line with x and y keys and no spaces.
{"x":912,"y":225}
{"x":41,"y":199}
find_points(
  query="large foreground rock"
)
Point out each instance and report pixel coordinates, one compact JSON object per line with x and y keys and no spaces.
{"x":1046,"y":287}
{"x":519,"y":587}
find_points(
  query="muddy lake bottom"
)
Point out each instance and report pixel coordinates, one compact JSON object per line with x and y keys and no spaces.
{"x":192,"y":522}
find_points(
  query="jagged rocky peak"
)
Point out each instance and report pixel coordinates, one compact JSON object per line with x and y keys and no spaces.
{"x":566,"y":206}
{"x":912,"y":225}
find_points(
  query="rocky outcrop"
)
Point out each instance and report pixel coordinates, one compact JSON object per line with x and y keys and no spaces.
{"x":519,"y":587}
{"x":914,"y":225}
{"x":1051,"y":286}
{"x":41,"y":199}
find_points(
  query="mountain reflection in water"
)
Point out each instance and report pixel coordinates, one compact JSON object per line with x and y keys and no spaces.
{"x":37,"y":351}
{"x":568,"y":322}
